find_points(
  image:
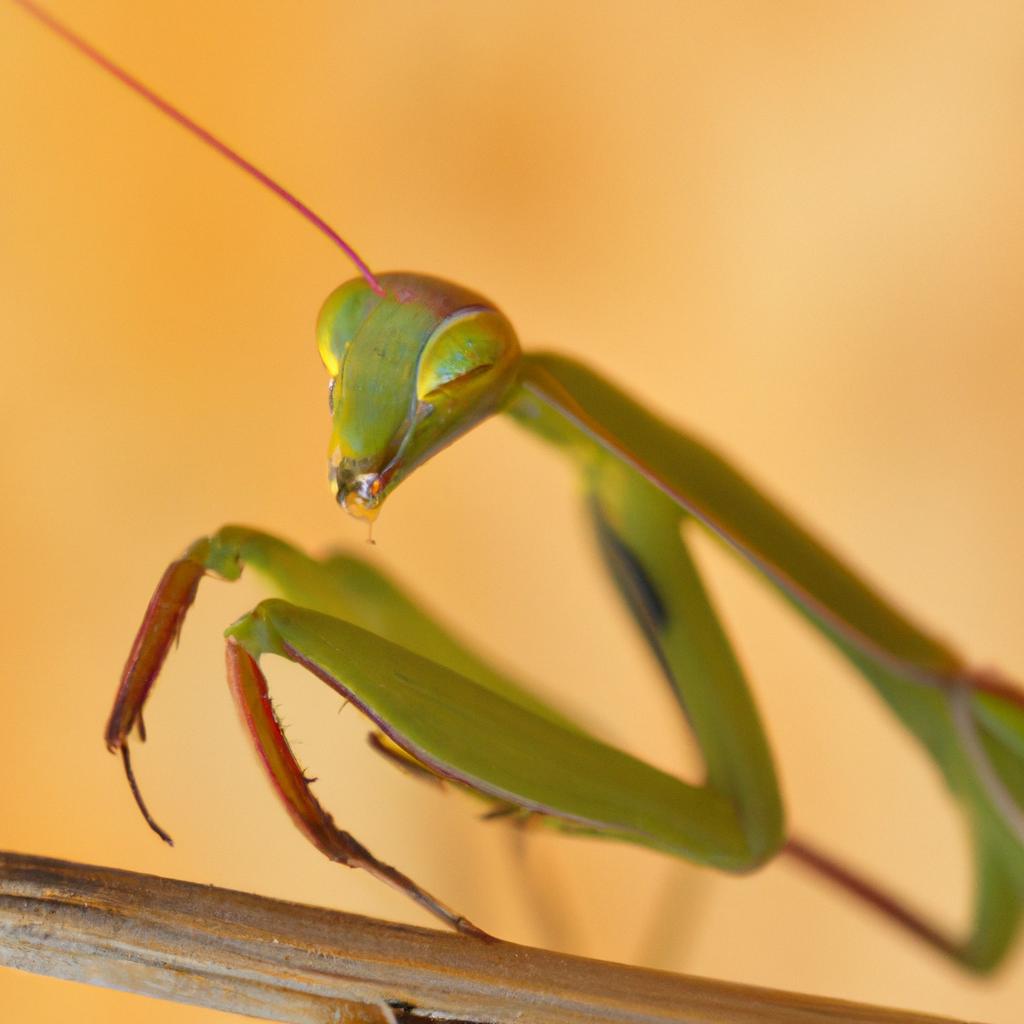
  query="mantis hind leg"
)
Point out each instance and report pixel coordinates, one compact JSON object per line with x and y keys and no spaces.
{"x":639,"y":534}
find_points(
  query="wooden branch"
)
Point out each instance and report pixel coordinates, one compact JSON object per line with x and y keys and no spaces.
{"x":286,"y":962}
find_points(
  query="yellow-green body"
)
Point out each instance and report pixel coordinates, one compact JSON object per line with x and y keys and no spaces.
{"x":411,"y":370}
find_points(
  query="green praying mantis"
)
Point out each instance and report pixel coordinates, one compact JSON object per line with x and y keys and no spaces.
{"x":414,"y":362}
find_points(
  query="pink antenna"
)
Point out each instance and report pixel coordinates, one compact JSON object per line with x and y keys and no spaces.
{"x":201,"y":133}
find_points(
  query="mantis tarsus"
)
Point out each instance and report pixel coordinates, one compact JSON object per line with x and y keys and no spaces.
{"x":642,"y":480}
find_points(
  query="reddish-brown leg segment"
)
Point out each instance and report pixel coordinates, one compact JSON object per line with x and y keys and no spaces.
{"x":160,"y":628}
{"x":249,"y":688}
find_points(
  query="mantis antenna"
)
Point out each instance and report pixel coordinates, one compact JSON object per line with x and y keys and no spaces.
{"x":179,"y":117}
{"x":176,"y":115}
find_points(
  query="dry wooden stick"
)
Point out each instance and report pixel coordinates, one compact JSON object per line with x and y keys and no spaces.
{"x":286,"y":962}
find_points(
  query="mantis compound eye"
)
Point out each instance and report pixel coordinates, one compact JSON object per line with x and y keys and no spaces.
{"x":340,"y":317}
{"x":472,"y":342}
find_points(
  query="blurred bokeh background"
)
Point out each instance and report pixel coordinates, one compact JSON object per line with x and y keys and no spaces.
{"x":796,"y":227}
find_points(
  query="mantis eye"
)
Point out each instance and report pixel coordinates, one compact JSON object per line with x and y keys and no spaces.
{"x":340,"y":317}
{"x":464,"y":346}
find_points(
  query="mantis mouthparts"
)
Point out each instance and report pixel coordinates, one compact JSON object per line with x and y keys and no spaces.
{"x":360,"y":507}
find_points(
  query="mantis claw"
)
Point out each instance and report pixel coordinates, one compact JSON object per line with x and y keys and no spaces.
{"x":137,"y":793}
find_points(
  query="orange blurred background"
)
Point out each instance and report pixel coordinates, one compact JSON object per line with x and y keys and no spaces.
{"x":796,"y":227}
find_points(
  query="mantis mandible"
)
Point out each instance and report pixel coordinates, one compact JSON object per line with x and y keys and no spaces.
{"x":414,"y":362}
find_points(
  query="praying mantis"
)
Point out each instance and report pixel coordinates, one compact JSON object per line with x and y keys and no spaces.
{"x":632,"y":467}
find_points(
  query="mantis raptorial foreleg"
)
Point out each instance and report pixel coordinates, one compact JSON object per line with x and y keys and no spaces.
{"x":435,"y":703}
{"x":459,"y":727}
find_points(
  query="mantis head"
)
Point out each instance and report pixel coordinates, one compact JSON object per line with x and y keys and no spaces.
{"x":410,"y":371}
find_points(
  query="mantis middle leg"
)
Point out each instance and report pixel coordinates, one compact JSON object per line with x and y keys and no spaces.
{"x":639,"y":534}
